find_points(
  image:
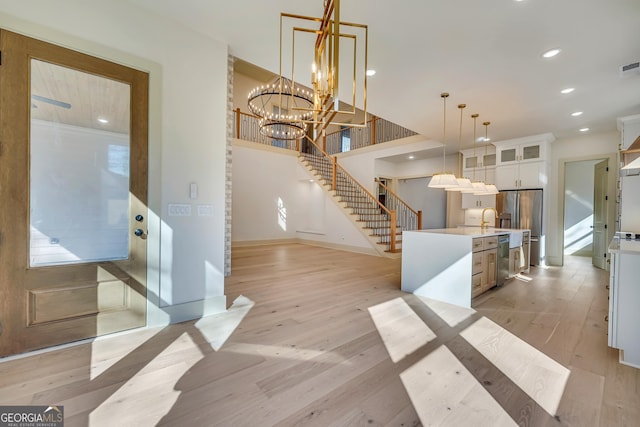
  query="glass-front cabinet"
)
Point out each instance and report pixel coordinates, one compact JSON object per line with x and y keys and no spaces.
{"x":520,"y":153}
{"x":522,"y":163}
{"x":479,"y":164}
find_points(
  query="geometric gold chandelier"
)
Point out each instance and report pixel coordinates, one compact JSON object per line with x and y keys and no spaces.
{"x":334,"y":55}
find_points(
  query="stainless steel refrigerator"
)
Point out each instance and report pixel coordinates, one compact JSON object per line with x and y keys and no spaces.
{"x":522,"y":209}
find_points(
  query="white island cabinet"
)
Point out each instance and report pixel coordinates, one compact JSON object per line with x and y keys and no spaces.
{"x":451,"y":264}
{"x":624,"y":299}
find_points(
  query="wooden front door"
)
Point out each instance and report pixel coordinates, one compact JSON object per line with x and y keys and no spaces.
{"x":73,"y":195}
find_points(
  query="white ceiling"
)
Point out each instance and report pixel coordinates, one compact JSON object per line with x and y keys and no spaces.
{"x":486,"y":54}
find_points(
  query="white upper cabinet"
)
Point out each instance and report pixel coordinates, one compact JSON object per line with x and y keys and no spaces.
{"x":478,"y":165}
{"x":521,"y":176}
{"x":522,"y":163}
{"x":472,"y":201}
{"x":528,"y":152}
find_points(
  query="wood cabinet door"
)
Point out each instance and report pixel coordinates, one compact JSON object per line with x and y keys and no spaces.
{"x":491,"y":259}
{"x":73,"y":187}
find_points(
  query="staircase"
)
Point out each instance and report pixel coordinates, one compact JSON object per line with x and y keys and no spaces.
{"x":374,"y":219}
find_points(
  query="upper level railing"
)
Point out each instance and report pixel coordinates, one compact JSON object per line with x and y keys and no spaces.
{"x":247,"y":128}
{"x":377,"y":131}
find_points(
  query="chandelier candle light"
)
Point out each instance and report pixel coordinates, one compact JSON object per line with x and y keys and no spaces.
{"x":286,"y":108}
{"x":282,"y":107}
{"x":443,"y":180}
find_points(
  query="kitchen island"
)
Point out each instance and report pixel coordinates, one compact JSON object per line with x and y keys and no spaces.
{"x":456,"y":264}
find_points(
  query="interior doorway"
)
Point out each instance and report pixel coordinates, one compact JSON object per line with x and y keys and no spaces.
{"x":585,"y":209}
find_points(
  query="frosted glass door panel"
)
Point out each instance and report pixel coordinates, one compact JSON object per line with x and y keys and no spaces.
{"x":79,"y":167}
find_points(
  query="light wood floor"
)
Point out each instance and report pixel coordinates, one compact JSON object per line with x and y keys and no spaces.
{"x":309,"y":353}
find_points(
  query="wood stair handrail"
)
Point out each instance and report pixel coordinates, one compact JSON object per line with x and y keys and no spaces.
{"x":394,"y":194}
{"x":392,"y":214}
{"x":334,"y":161}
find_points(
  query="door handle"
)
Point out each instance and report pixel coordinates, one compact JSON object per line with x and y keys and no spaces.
{"x":140,"y":233}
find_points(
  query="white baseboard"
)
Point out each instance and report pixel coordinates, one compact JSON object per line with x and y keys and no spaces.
{"x":264,"y":242}
{"x":337,"y":246}
{"x":160,"y":316}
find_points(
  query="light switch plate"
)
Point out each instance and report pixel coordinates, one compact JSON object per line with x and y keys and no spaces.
{"x":205,"y":210}
{"x":179,"y":210}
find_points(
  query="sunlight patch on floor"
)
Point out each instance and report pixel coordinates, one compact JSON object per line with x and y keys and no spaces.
{"x":281,"y":352}
{"x":400,"y":328}
{"x":445,"y":393}
{"x":217,"y":328}
{"x":152,"y":388}
{"x":541,"y":377}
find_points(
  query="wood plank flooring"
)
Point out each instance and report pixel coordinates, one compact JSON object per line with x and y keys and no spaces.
{"x":308,"y":353}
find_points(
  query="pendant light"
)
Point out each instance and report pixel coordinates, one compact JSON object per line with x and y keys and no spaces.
{"x":464,"y":184}
{"x":443,"y":179}
{"x":478,"y":186}
{"x":490,"y":189}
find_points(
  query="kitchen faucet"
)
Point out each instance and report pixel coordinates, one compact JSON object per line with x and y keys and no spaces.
{"x":484,"y":223}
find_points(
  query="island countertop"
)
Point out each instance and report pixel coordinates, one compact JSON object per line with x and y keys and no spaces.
{"x":471,"y":231}
{"x":621,"y":245}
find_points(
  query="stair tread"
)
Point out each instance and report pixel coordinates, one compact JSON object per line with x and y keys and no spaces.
{"x":370,"y":215}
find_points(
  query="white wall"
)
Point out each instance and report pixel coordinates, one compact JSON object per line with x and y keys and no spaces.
{"x":188,"y":93}
{"x":264,"y":194}
{"x":431,"y":201}
{"x":426,"y":167}
{"x":365,"y":164}
{"x":563,"y":150}
{"x":275,"y":200}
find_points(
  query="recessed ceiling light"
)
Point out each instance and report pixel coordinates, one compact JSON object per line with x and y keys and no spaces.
{"x":584,"y":130}
{"x":576,"y":114}
{"x":568,"y":90}
{"x":371,"y":73}
{"x":551,"y":53}
{"x":411,"y":157}
{"x":103,"y":121}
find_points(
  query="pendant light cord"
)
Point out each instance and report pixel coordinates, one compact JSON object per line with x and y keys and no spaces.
{"x":444,"y":96}
{"x":475,"y":117}
{"x":486,"y":138}
{"x":461,"y":107}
